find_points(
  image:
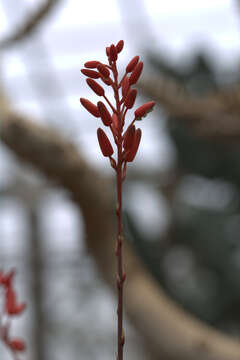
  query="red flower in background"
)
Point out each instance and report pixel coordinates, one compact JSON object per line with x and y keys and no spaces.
{"x":11,"y":308}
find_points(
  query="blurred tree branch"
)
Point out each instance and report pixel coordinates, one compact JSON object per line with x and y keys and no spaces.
{"x":29,"y":25}
{"x":215,"y":116}
{"x":168,"y":332}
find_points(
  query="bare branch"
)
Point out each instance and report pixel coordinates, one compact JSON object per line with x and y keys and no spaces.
{"x":216,"y":115}
{"x":29,"y":25}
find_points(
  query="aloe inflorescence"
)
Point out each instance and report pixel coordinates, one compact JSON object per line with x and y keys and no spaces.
{"x":125,"y":139}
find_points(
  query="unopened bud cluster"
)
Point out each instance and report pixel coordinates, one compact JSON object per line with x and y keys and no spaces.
{"x":11,"y":308}
{"x":113,"y":115}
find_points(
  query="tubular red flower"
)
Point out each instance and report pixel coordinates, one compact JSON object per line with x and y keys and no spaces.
{"x":119,"y":46}
{"x":18,"y":309}
{"x":130,"y":99}
{"x":129,"y":137}
{"x":89,"y":106}
{"x":136,"y":73}
{"x":91,"y":64}
{"x":6,"y":279}
{"x":11,"y":305}
{"x":131,"y":65}
{"x":103,"y":70}
{"x":133,"y":151}
{"x":106,"y":81}
{"x":143,"y":110}
{"x":104,"y":143}
{"x":98,"y":89}
{"x":107,"y":50}
{"x":104,"y":113}
{"x":113,"y":53}
{"x":90,"y":73}
{"x":125,"y":86}
{"x":10,"y":300}
{"x":17,"y":345}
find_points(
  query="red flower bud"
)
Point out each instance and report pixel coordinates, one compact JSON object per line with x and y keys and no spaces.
{"x":104,"y":143}
{"x":6,"y":279}
{"x":125,"y":86}
{"x":107,"y":50}
{"x":10,"y":300}
{"x":104,"y":113}
{"x":113,"y":53}
{"x":106,"y":81}
{"x":130,"y":99}
{"x":89,"y":106}
{"x":18,"y":309}
{"x":11,"y":306}
{"x":119,"y":46}
{"x":129,"y":137}
{"x":132,"y":64}
{"x":98,"y":89}
{"x":115,"y":123}
{"x":17,"y":345}
{"x":103,"y":70}
{"x":143,"y":110}
{"x":91,"y":73}
{"x":136,"y":73}
{"x":133,"y":151}
{"x":91,"y":64}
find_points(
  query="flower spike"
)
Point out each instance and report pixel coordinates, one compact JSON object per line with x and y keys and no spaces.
{"x":126,"y":141}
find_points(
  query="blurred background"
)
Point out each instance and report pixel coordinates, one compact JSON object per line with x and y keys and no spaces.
{"x":182,"y":194}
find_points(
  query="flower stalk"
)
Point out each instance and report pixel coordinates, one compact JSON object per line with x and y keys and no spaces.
{"x":126,"y":140}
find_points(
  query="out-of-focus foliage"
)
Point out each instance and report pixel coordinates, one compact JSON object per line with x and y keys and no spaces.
{"x":198,"y":260}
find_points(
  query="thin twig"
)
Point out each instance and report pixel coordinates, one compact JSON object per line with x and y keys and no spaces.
{"x":215,"y":115}
{"x":29,"y":25}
